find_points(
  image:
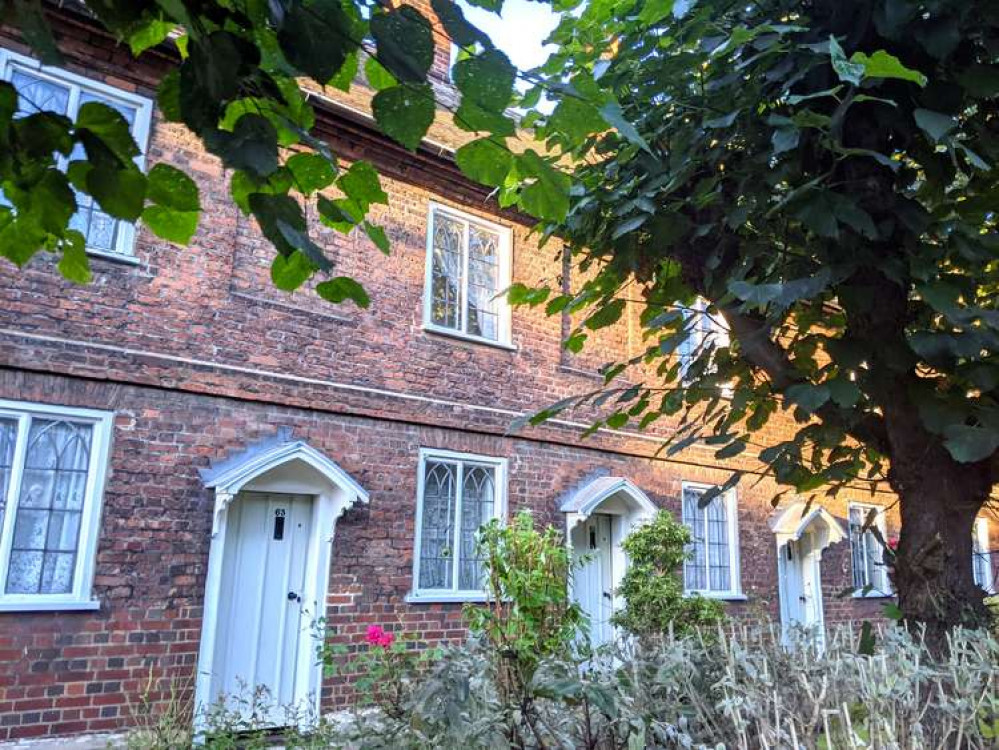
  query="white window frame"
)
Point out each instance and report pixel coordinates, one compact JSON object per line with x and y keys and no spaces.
{"x":81,"y":597}
{"x":500,"y":465}
{"x":982,"y":542}
{"x":730,"y":498}
{"x":882,"y":523}
{"x":504,"y":325}
{"x":125,"y":239}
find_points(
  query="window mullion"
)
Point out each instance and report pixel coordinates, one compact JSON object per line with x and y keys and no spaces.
{"x":72,"y":108}
{"x":13,"y":493}
{"x":707,"y":550}
{"x":463,"y":287}
{"x":456,"y":544}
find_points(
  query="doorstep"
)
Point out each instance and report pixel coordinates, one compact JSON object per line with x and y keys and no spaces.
{"x":78,"y":742}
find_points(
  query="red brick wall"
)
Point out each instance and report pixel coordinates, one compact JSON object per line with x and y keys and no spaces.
{"x":198,"y":356}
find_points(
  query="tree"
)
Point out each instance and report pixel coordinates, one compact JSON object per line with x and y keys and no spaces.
{"x":243,"y":70}
{"x":823,"y":174}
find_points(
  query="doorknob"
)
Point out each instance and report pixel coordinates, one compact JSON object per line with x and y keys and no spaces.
{"x":293,"y":597}
{"x":607,"y":595}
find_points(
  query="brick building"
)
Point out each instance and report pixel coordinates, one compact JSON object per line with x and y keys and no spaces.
{"x":195,"y":466}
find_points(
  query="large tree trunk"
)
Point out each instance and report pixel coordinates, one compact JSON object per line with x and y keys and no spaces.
{"x":940,"y":499}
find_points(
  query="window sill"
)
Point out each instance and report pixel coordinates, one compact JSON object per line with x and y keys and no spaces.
{"x":466,"y":597}
{"x":720,"y":595}
{"x":126,"y":260}
{"x":872,"y":595}
{"x":50,"y":606}
{"x":440,"y":331}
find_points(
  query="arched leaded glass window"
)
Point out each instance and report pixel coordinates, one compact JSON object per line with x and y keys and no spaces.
{"x":458,"y":493}
{"x":51,"y":470}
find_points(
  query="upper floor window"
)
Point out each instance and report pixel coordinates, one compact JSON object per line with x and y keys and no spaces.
{"x":982,"y":560}
{"x":704,"y":330}
{"x":457,"y":493}
{"x":44,"y":88}
{"x":52,"y":466}
{"x":468,"y":265}
{"x":712,"y":565}
{"x":870,"y":574}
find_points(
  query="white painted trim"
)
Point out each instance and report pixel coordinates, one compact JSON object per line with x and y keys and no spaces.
{"x":125,"y":239}
{"x":983,"y":542}
{"x":504,"y":271}
{"x":332,"y":499}
{"x":735,"y":569}
{"x":101,"y":423}
{"x":352,"y":387}
{"x":500,"y":466}
{"x":876,"y":592}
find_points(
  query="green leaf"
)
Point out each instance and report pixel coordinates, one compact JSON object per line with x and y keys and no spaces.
{"x":281,"y":220}
{"x":110,"y":127}
{"x":74,"y":264}
{"x":312,"y":38}
{"x":310,"y":172}
{"x":473,"y":118}
{"x":968,"y":444}
{"x":405,"y":43}
{"x":377,"y":235}
{"x":347,"y":73}
{"x":546,"y":194}
{"x":654,"y":11}
{"x":362,"y":186}
{"x":405,"y":112}
{"x":785,"y":139}
{"x":848,"y":71}
{"x":153,"y":32}
{"x":340,"y":214}
{"x":883,"y":65}
{"x":807,"y":396}
{"x":171,"y":224}
{"x":252,"y":145}
{"x":289,"y":272}
{"x":612,"y":113}
{"x":576,"y":118}
{"x":486,"y":160}
{"x":170,"y":187}
{"x":452,"y":18}
{"x":606,"y":315}
{"x":120,"y":192}
{"x":935,"y":124}
{"x":486,"y":79}
{"x":377,"y":76}
{"x":343,"y":288}
{"x":168,"y":97}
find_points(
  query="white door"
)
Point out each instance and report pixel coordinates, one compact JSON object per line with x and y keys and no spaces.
{"x":593,"y":582}
{"x":801,"y":587}
{"x":261,"y":623}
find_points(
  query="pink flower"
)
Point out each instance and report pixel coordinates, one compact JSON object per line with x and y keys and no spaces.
{"x":379,"y":636}
{"x":893,"y":543}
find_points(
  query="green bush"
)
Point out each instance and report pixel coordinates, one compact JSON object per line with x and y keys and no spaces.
{"x":652,"y":585}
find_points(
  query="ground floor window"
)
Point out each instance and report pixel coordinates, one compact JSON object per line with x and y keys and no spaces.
{"x":457,"y":493}
{"x":52,"y":464}
{"x":982,"y":559}
{"x":712,"y":566}
{"x":870,"y":574}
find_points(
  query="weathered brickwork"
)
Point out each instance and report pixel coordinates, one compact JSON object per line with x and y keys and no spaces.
{"x":198,"y":357}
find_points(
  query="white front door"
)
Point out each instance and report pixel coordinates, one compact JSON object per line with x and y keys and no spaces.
{"x":801,"y":586}
{"x":261,"y":624}
{"x":593,"y":582}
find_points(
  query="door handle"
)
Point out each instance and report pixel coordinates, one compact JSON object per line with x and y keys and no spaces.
{"x":293,"y":597}
{"x":607,"y":595}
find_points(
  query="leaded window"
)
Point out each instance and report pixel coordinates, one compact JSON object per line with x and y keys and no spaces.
{"x":51,"y":468}
{"x":458,"y":494}
{"x":870,"y":574}
{"x":706,"y":333}
{"x":711,"y":566}
{"x":468,"y":268}
{"x":52,"y":89}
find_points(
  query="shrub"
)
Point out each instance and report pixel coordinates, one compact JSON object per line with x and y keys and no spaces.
{"x":652,"y":585}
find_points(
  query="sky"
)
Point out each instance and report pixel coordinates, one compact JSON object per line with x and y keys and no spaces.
{"x":519,"y":30}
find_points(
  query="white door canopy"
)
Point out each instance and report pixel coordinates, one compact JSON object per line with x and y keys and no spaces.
{"x":791,"y":523}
